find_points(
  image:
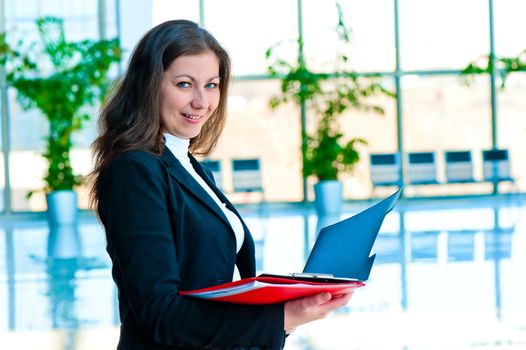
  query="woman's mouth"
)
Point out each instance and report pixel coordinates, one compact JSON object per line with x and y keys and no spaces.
{"x":194,"y":117}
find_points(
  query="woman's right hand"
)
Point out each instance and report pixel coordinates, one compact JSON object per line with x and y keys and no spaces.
{"x":308,"y":309}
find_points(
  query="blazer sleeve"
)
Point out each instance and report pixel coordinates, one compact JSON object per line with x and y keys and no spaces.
{"x":133,"y":208}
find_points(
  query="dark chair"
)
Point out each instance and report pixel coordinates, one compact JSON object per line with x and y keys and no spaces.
{"x":385,"y":169}
{"x":496,"y":165}
{"x":459,"y":167}
{"x":246,"y":178}
{"x":421,"y":168}
{"x":246,"y":175}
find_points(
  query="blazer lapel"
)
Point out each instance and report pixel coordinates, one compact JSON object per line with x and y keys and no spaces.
{"x":199,"y":169}
{"x":179,"y":173}
{"x":245,"y":257}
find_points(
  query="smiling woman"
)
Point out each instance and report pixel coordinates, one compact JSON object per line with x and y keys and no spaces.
{"x":168,"y":227}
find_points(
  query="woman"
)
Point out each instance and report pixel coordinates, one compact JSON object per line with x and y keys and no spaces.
{"x":167,"y":225}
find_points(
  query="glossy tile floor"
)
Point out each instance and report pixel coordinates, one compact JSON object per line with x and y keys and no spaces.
{"x":449,"y":274}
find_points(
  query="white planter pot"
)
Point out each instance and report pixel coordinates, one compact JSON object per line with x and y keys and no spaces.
{"x":328,"y":197}
{"x":62,"y":208}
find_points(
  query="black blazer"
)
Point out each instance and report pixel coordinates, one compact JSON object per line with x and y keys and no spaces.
{"x":165,"y":234}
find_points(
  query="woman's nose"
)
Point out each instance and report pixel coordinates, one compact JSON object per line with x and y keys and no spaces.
{"x":199,"y":100}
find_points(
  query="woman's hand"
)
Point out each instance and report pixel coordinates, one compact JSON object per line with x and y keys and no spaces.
{"x":304,"y":310}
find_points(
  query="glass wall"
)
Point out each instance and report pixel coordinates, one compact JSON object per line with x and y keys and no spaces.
{"x":435,"y":110}
{"x":438,"y":112}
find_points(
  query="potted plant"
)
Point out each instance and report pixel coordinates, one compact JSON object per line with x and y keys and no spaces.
{"x":326,"y":153}
{"x":59,"y":78}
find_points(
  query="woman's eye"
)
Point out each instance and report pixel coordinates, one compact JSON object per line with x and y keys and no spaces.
{"x":211,"y":85}
{"x":183,"y":84}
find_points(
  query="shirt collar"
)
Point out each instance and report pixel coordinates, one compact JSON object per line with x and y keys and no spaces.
{"x":177,"y":145}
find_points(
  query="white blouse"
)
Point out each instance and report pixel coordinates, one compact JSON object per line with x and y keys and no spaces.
{"x":179,"y":147}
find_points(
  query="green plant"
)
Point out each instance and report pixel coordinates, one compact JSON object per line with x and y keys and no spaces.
{"x":59,"y":78}
{"x":326,"y":152}
{"x":501,"y":65}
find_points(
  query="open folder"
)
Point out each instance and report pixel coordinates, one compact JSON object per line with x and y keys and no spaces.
{"x":342,"y":250}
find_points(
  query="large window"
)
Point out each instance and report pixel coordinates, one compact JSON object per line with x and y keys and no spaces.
{"x":435,"y":110}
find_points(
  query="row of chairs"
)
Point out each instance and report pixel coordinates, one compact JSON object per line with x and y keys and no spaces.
{"x":385,"y":169}
{"x":421,"y":167}
{"x":246,"y":174}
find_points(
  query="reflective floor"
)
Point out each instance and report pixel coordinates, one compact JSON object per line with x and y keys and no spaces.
{"x":449,"y":274}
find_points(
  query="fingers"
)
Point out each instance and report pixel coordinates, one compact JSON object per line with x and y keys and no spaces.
{"x":323,"y":303}
{"x":301,"y":311}
{"x":346,"y":295}
{"x":317,"y":299}
{"x":335,"y":302}
{"x":326,"y":299}
{"x":304,"y":310}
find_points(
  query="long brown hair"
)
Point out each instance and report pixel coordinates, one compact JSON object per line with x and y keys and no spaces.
{"x":130,"y":119}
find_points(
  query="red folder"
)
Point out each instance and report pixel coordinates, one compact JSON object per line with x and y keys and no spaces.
{"x":269,"y":289}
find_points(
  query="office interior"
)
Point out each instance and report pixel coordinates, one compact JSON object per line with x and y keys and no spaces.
{"x":449,"y":258}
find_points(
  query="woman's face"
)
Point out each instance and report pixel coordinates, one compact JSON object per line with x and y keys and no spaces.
{"x":189,"y":94}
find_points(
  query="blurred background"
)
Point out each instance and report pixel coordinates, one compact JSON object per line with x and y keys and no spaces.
{"x":451,"y":257}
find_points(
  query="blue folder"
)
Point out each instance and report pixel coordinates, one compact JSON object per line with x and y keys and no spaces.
{"x":343,"y":249}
